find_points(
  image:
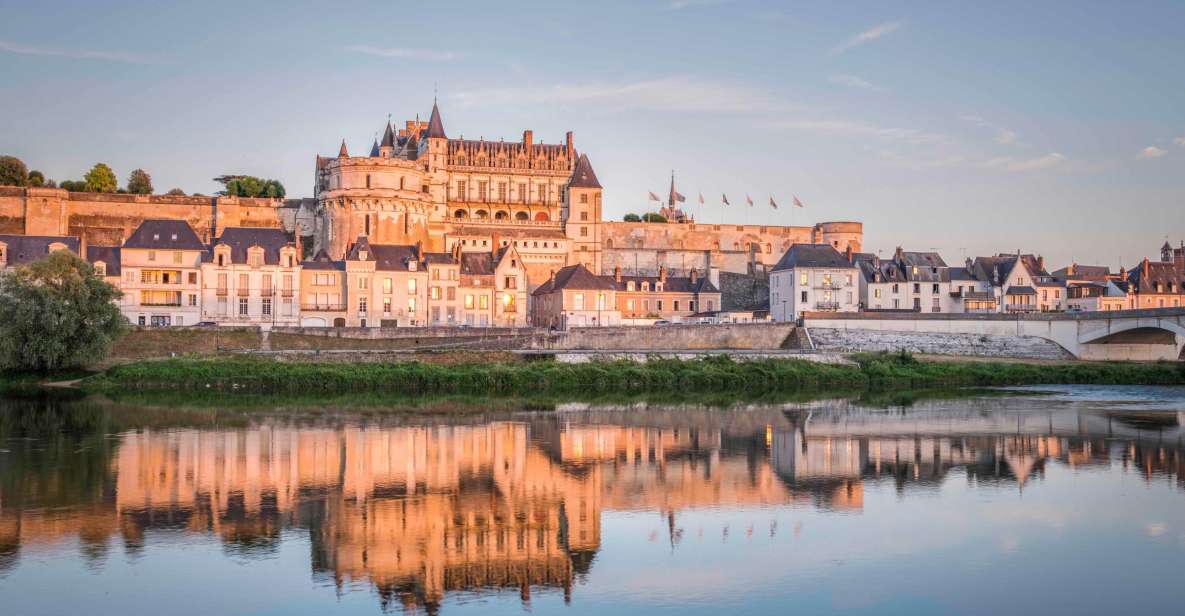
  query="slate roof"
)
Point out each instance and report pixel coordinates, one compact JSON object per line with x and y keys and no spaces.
{"x":884,"y":271}
{"x":386,"y":257}
{"x":435,"y":126}
{"x":673,"y":284}
{"x":583,"y":175}
{"x":239,"y":239}
{"x":389,"y":136}
{"x":576,"y":277}
{"x":1020,"y":291}
{"x":526,"y":234}
{"x":922,"y":259}
{"x":811,"y":255}
{"x":961,"y":273}
{"x":439,"y":257}
{"x":28,"y":248}
{"x":1093,"y":273}
{"x":321,"y":261}
{"x":1162,"y":272}
{"x":374,"y":149}
{"x":109,"y":255}
{"x":164,"y":235}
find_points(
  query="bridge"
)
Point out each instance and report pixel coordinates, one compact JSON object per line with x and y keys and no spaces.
{"x":1144,"y":335}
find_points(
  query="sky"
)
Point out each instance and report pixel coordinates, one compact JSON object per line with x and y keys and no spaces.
{"x":970,"y":128}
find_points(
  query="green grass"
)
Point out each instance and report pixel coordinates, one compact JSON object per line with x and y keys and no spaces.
{"x":661,"y":376}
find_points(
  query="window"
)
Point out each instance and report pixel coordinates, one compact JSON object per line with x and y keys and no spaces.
{"x":267,"y":306}
{"x":803,"y":300}
{"x":803,"y":280}
{"x":935,"y":289}
{"x":600,"y":301}
{"x":100,"y":269}
{"x":584,"y":199}
{"x":895,"y":288}
{"x":411,"y":286}
{"x":411,"y":304}
{"x":451,"y":293}
{"x":876,"y":293}
{"x":917,"y":287}
{"x":386,"y":305}
{"x":469,"y":301}
{"x":658,"y":304}
{"x":583,"y":231}
{"x":386,"y":285}
{"x":676,"y":305}
{"x":578,"y":301}
{"x":629,"y":305}
{"x":243,"y":303}
{"x":522,"y":193}
{"x":267,"y":282}
{"x":362,"y":305}
{"x":510,"y":282}
{"x":434,"y":292}
{"x":244,"y":282}
{"x":363,"y":282}
{"x":152,"y":255}
{"x":256,"y":258}
{"x":629,"y":286}
{"x":483,"y":302}
{"x":502,"y":191}
{"x":193,"y":299}
{"x":176,"y":257}
{"x":481,"y":191}
{"x":461,"y":190}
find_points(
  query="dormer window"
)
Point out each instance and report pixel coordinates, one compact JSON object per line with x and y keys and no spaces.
{"x":362,"y":255}
{"x":412,"y":265}
{"x":629,"y":286}
{"x":173,"y":237}
{"x":645,"y":287}
{"x":156,"y":237}
{"x":100,"y":269}
{"x":658,"y":287}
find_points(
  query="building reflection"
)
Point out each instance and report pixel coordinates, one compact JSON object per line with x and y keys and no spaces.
{"x":417,"y":512}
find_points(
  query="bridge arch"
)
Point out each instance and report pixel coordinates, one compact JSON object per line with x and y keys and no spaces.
{"x":1135,"y":329}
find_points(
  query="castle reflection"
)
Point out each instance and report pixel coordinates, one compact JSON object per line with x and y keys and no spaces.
{"x":420,"y":511}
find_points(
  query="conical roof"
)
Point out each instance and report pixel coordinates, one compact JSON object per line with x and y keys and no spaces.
{"x":583,"y":175}
{"x":343,"y":152}
{"x":435,"y":126}
{"x":374,"y":149}
{"x":389,"y":137}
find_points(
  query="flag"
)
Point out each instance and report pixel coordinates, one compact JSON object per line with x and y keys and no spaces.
{"x":773,"y":203}
{"x":797,"y":203}
{"x":701,"y":198}
{"x":654,"y":197}
{"x":725,"y":198}
{"x":748,"y":199}
{"x":680,"y":198}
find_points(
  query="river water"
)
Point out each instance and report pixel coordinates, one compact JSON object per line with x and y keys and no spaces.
{"x":1070,"y":500}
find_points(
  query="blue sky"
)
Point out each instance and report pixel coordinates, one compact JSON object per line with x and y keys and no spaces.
{"x":971,"y":128}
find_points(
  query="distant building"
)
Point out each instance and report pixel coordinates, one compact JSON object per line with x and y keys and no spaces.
{"x":161,"y":266}
{"x":672,"y":298}
{"x":813,"y":277}
{"x":323,"y":289}
{"x":917,"y":281}
{"x":575,"y":297}
{"x":1159,"y":284}
{"x":1020,"y":282}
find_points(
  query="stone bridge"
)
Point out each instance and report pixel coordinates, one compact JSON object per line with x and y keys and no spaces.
{"x":1149,"y":334}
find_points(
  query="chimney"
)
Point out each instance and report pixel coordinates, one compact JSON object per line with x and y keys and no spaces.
{"x":848,"y":253}
{"x":1041,"y":263}
{"x":694,"y":276}
{"x":496,"y":241}
{"x":1070,"y":269}
{"x":617,"y":274}
{"x":1144,"y":271}
{"x":420,"y":249}
{"x":897,"y":254}
{"x":969,"y":263}
{"x":299,"y":245}
{"x":568,"y":142}
{"x":662,"y":273}
{"x":528,"y":139}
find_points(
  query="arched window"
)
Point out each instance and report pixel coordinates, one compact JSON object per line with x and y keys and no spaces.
{"x":460,"y":214}
{"x":501,"y":215}
{"x":482,"y":214}
{"x":521,"y":216}
{"x":542,"y":217}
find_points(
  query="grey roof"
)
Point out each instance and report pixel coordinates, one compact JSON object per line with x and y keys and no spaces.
{"x":28,"y":248}
{"x":374,"y":149}
{"x":321,"y":261}
{"x":1020,"y":291}
{"x":386,"y":257}
{"x":882,"y":271}
{"x":583,"y":175}
{"x":811,"y":255}
{"x":673,"y":284}
{"x":1094,"y":273}
{"x":239,"y":239}
{"x":477,"y":263}
{"x":435,"y":126}
{"x":922,"y":259}
{"x":575,"y":277}
{"x":961,"y":273}
{"x":164,"y":235}
{"x":109,"y":255}
{"x":389,"y":136}
{"x":439,"y":257}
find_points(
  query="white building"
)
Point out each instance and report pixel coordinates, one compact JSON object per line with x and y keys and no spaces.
{"x":251,"y":277}
{"x":813,"y":278}
{"x":161,"y":267}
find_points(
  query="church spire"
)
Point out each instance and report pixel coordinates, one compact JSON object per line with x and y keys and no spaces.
{"x":435,"y":126}
{"x":343,"y":152}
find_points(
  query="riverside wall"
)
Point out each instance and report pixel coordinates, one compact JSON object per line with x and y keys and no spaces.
{"x":740,"y":336}
{"x":933,"y":343}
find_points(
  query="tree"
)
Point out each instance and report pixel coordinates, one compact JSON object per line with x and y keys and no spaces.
{"x":652,"y":217}
{"x":101,"y":179}
{"x":139,"y":182}
{"x":73,"y":185}
{"x":56,"y":313}
{"x":176,"y":192}
{"x":13,"y":171}
{"x":250,"y":186}
{"x":632,"y":218}
{"x":36,"y":178}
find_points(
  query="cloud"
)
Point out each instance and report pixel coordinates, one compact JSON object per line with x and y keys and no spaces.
{"x":678,"y":94}
{"x":1179,"y":141}
{"x":1150,"y":152}
{"x":853,"y":81}
{"x":1004,"y":136}
{"x":863,"y":129}
{"x":402,"y":52}
{"x":870,"y":34}
{"x":84,"y":54}
{"x":679,"y":5}
{"x":1016,"y":165}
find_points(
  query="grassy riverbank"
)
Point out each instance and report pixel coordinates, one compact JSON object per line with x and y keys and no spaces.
{"x":259,"y":375}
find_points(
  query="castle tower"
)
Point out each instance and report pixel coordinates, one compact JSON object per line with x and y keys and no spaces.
{"x":582,"y":215}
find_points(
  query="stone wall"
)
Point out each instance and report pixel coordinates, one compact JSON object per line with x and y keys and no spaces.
{"x":392,"y":333}
{"x":749,"y":336}
{"x":743,"y":291}
{"x":932,"y":343}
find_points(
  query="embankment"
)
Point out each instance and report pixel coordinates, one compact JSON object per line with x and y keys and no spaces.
{"x":715,"y":375}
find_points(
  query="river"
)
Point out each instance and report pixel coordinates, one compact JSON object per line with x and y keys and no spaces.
{"x":1062,"y":500}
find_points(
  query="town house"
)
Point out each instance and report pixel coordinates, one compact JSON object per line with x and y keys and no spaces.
{"x":161,"y":267}
{"x":813,"y":277}
{"x":251,"y":277}
{"x":575,"y":297}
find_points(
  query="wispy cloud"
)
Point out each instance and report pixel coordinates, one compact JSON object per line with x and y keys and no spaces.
{"x":678,"y":94}
{"x":870,"y":34}
{"x":853,"y":81}
{"x":1004,"y":136}
{"x":679,"y":5}
{"x":1150,"y":152}
{"x":1179,"y":141}
{"x":80,"y":54}
{"x":863,"y":129}
{"x":1014,"y":164}
{"x":403,"y":52}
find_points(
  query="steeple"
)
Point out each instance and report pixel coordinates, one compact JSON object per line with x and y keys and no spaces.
{"x":343,"y":153}
{"x":435,"y":126}
{"x":583,"y":175}
{"x":374,"y":149}
{"x":387,"y":146}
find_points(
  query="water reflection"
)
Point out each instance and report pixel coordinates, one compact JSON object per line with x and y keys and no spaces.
{"x":417,"y":509}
